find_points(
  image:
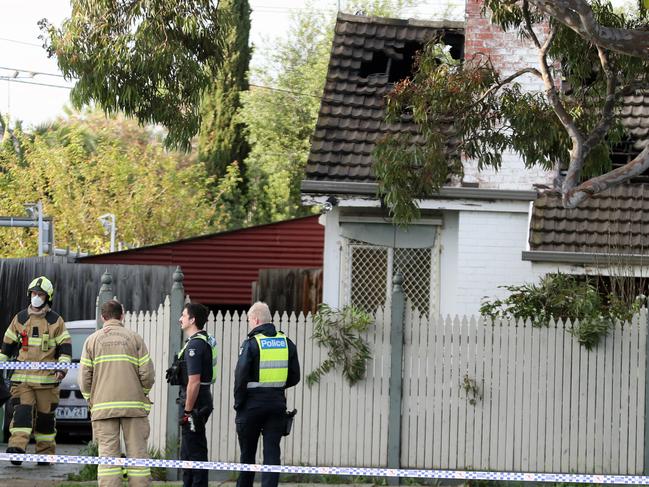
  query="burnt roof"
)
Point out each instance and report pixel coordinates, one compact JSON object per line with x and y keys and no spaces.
{"x":351,"y":117}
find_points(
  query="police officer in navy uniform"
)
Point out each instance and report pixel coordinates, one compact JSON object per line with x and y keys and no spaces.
{"x":267,"y":366}
{"x":195,"y":371}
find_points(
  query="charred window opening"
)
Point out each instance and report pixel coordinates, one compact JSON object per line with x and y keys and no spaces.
{"x":403,"y":61}
{"x":456,"y":41}
{"x":624,"y":152}
{"x":379,"y":64}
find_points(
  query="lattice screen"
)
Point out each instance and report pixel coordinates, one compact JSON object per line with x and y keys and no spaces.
{"x":370,"y":269}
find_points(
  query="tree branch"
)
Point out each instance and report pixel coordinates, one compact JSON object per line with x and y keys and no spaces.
{"x":528,"y":24}
{"x":495,"y":87}
{"x":637,"y":166}
{"x":578,"y":15}
{"x":601,"y":129}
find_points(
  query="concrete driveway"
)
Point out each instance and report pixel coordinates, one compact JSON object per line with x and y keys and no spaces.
{"x":30,"y":475}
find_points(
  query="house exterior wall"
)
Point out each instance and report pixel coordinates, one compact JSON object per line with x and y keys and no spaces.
{"x":508,"y":53}
{"x":480,"y":251}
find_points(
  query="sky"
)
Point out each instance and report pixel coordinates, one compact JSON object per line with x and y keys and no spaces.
{"x":21,"y":52}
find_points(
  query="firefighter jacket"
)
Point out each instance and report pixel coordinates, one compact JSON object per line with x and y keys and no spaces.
{"x":256,"y":383}
{"x":116,"y":373}
{"x":36,"y":336}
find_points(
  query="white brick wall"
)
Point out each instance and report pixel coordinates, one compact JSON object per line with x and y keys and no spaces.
{"x":489,"y":247}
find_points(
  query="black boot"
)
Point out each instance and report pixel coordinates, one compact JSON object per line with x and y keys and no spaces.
{"x":15,"y":449}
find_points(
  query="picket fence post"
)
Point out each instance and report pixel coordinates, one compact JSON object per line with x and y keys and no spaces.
{"x":177,"y":302}
{"x":396,"y":358}
{"x":105,"y":294}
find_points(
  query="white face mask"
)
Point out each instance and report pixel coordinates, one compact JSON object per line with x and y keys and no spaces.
{"x":37,"y":301}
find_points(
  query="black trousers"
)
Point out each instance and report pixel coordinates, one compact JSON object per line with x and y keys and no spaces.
{"x":269,"y":422}
{"x":193,"y":444}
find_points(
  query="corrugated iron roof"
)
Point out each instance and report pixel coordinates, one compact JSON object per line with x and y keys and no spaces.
{"x":351,"y":117}
{"x":219,"y":268}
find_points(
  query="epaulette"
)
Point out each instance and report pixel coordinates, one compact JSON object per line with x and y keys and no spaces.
{"x":51,"y":317}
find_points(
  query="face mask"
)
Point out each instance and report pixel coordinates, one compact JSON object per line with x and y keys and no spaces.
{"x":37,"y":301}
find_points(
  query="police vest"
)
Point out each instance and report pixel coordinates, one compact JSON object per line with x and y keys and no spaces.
{"x":273,"y":361}
{"x":211,"y":341}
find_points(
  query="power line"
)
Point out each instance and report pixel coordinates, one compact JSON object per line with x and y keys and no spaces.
{"x":32,"y":72}
{"x":20,"y":70}
{"x":15,"y":41}
{"x":14,"y":80}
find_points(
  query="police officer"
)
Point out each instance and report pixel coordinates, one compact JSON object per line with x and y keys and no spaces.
{"x":267,"y":365}
{"x":194,"y":370}
{"x":36,"y":334}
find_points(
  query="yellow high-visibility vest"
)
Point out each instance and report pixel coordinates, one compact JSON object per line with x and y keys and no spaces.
{"x":273,"y":361}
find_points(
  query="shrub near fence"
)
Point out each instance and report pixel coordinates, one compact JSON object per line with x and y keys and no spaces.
{"x":476,"y":395}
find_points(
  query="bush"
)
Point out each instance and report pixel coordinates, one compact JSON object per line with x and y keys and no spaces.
{"x":562,"y":296}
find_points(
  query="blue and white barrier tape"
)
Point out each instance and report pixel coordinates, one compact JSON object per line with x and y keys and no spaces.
{"x":37,"y":366}
{"x":346,"y":471}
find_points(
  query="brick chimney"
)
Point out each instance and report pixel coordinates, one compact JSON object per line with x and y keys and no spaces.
{"x":508,"y":53}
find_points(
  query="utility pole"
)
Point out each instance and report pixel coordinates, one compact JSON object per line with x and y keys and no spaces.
{"x":108,"y":222}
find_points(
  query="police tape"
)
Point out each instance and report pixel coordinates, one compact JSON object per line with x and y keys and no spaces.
{"x":38,"y":366}
{"x":344,"y":471}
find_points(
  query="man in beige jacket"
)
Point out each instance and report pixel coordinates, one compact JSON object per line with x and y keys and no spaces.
{"x":115,"y":377}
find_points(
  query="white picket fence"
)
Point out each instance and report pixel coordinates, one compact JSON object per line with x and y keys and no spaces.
{"x":476,"y":395}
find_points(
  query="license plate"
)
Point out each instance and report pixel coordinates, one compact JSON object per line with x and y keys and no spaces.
{"x":70,"y":412}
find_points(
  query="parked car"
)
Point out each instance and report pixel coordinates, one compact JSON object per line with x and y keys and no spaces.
{"x":72,"y":415}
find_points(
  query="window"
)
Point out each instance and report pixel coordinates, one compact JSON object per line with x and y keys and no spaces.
{"x":370,"y":269}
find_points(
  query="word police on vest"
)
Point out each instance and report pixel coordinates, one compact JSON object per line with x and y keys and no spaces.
{"x":273,"y":343}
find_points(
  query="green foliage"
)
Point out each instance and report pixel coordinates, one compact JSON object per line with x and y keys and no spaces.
{"x":222,"y":141}
{"x":152,"y":60}
{"x":470,"y":110}
{"x":88,"y":165}
{"x":339,"y":332}
{"x":280,"y":121}
{"x":87,"y":472}
{"x":562,"y":296}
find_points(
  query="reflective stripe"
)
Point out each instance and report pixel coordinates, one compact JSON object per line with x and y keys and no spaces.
{"x":273,"y":364}
{"x":121,"y":405}
{"x":86,"y":362}
{"x":62,"y":337}
{"x":11,"y":335}
{"x":3,"y":357}
{"x":27,"y":431}
{"x":36,"y":342}
{"x":40,"y":379}
{"x":65,"y":359}
{"x":254,"y":385}
{"x":145,"y":390}
{"x":45,"y":437}
{"x":138,"y":471}
{"x":116,"y":358}
{"x":108,"y":471}
{"x":86,"y":395}
{"x":144,"y":359}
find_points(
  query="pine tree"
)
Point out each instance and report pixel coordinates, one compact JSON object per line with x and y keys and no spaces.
{"x":222,"y":139}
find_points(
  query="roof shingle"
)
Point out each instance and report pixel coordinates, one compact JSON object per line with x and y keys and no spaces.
{"x":351,"y":117}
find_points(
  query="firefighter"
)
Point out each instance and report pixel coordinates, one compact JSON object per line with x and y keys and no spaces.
{"x":194,"y":370}
{"x":267,"y":366}
{"x":115,"y":377}
{"x":36,"y":334}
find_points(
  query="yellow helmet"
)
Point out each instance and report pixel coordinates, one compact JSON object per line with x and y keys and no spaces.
{"x":44,"y":285}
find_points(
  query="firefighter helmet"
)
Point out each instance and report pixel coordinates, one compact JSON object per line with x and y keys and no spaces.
{"x":44,"y":285}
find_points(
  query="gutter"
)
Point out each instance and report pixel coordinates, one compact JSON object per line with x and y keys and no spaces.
{"x":584,"y":258}
{"x":371,"y":189}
